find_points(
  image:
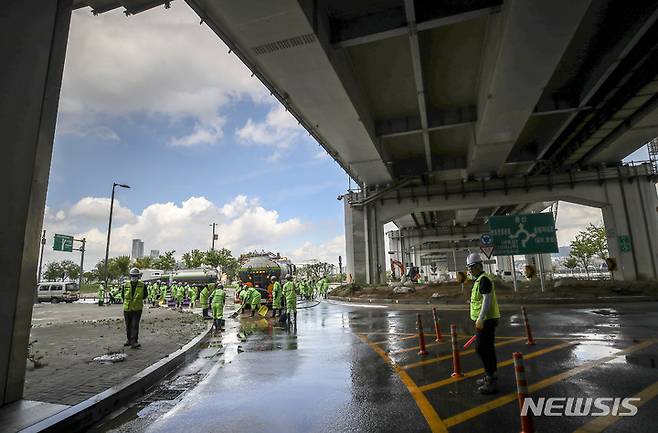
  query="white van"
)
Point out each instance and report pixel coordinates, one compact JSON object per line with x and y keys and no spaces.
{"x":56,"y":291}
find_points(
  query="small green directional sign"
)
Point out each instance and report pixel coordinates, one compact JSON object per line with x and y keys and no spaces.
{"x":624,"y":243}
{"x":63,"y":243}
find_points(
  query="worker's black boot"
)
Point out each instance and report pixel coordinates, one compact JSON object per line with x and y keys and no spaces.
{"x":483,"y":380}
{"x":490,"y":386}
{"x":273,"y":313}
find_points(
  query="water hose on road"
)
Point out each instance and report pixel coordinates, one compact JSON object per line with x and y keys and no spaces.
{"x":308,"y":306}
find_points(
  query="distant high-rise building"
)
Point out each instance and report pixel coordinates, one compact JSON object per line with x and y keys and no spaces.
{"x":138,"y":249}
{"x":155,"y":254}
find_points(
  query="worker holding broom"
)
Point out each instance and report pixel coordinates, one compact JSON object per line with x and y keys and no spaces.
{"x":218,"y":298}
{"x":290,"y":293}
{"x":254,"y":297}
{"x":277,"y":295}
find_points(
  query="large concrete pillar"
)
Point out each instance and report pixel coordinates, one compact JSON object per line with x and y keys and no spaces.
{"x":33,"y":37}
{"x":375,"y":247}
{"x":355,"y":243}
{"x":632,"y":215}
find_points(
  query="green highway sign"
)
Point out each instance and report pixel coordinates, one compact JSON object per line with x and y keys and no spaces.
{"x":63,"y":243}
{"x":624,"y":243}
{"x":523,"y":234}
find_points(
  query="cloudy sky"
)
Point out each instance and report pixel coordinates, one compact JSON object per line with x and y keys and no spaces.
{"x":157,"y":102}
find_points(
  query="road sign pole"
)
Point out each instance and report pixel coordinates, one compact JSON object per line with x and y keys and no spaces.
{"x":82,"y":261}
{"x":43,"y":246}
{"x":541,"y":272}
{"x":513,"y":274}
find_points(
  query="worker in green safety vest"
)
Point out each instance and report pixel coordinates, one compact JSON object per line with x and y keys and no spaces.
{"x":101,"y":295}
{"x":163,"y":293}
{"x":277,"y":296}
{"x":218,"y":298}
{"x":290,"y":293}
{"x":485,"y":313}
{"x":180,"y":294}
{"x":134,"y":293}
{"x":253,"y":297}
{"x":203,"y":298}
{"x":192,"y":294}
{"x":323,"y":286}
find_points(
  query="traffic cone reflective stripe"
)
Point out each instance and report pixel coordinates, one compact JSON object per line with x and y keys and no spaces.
{"x":456,"y":361}
{"x":528,"y":332}
{"x":522,"y":392}
{"x":421,"y":336}
{"x":437,"y":326}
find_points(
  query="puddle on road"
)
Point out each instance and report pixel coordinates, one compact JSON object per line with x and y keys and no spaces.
{"x":592,"y":352}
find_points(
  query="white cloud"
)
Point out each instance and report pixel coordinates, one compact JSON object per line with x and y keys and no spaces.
{"x":243,"y":225}
{"x":209,"y":132}
{"x":279,"y":129}
{"x":326,"y":252}
{"x":572,"y":218}
{"x":321,"y":154}
{"x":96,"y":209}
{"x":158,"y":62}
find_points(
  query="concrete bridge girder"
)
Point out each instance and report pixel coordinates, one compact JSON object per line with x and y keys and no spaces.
{"x":626,"y":195}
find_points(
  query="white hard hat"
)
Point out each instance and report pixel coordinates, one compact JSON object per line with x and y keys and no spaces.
{"x":135,"y":271}
{"x":473,"y":259}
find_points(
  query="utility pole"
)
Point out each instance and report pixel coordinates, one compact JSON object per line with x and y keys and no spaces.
{"x":82,"y":259}
{"x":214,"y":236}
{"x":43,"y":246}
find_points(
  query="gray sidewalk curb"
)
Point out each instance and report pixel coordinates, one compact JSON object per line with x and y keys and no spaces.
{"x":84,"y":414}
{"x":555,"y":301}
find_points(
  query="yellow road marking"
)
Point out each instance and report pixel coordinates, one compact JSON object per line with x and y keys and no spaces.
{"x":432,"y":344}
{"x":433,"y":420}
{"x":600,"y":424}
{"x":444,"y":357}
{"x":398,"y":339}
{"x":508,"y":398}
{"x":505,"y":363}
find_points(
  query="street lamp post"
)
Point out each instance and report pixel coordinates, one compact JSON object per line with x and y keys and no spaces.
{"x":214,"y":236}
{"x":109,"y":227}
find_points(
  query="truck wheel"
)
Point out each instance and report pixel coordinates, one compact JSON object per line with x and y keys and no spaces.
{"x":54,"y":300}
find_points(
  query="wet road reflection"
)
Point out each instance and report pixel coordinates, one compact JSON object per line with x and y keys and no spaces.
{"x":355,"y":369}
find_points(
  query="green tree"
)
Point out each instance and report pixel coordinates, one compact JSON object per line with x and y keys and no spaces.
{"x":119,"y":266}
{"x":583,"y":249}
{"x":315,"y":271}
{"x":143,"y":262}
{"x":166,"y":261}
{"x":598,"y":239}
{"x":54,"y":272}
{"x":224,"y":260}
{"x":71,"y":270}
{"x":570,"y":263}
{"x":194,"y":258}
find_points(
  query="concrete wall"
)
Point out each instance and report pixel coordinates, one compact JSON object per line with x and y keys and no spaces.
{"x":33,"y":37}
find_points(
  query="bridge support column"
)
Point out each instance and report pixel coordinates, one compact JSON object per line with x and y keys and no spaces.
{"x":355,"y":243}
{"x":631,"y":222}
{"x":375,"y":247}
{"x":33,"y":37}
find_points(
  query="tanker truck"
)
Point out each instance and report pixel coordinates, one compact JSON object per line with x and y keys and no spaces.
{"x":257,"y":268}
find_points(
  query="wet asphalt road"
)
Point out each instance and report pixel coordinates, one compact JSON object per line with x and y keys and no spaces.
{"x":356,"y":369}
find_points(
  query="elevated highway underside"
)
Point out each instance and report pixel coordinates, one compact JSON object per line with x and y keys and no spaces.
{"x":408,"y":95}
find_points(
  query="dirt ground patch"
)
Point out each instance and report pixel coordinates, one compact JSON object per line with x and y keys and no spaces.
{"x":65,"y":338}
{"x":454,"y":293}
